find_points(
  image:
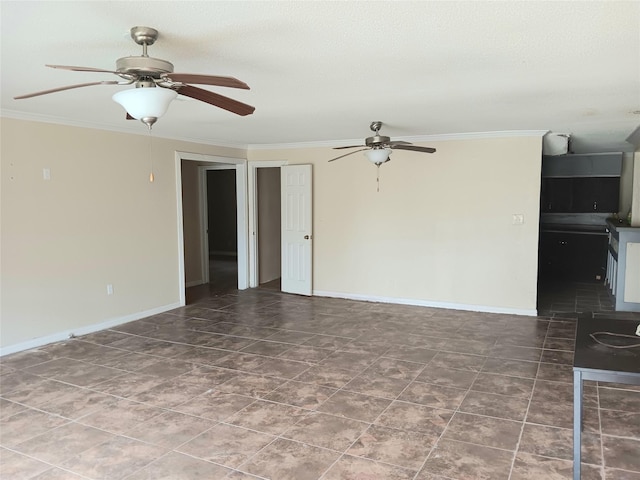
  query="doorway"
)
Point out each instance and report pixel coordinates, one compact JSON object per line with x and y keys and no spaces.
{"x":193,"y":260}
{"x":264,"y":224}
{"x":220,"y":246}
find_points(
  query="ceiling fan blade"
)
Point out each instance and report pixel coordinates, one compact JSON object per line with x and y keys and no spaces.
{"x":398,"y":142}
{"x":347,"y":154}
{"x":211,"y":98}
{"x":68,"y":87}
{"x":81,"y":69}
{"x":415,"y":148}
{"x":350,"y":146}
{"x":206,"y":80}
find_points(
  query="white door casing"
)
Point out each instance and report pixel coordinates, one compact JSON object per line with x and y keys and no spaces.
{"x":297,"y":238}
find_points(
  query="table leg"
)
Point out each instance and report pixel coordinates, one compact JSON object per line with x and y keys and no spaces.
{"x":577,"y":422}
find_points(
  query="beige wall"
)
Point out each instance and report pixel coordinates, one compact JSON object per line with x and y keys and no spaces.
{"x":439,"y":231}
{"x":98,"y":221}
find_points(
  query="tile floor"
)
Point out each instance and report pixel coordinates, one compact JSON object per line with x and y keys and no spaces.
{"x":263,"y":385}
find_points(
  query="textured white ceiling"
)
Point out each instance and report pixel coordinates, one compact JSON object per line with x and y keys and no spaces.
{"x":322,"y":71}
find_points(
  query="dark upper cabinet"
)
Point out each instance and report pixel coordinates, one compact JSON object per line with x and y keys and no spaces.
{"x":556,"y":195}
{"x":595,"y":194}
{"x":580,"y":195}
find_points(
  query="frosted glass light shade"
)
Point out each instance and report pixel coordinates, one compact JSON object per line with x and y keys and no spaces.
{"x":378,"y":155}
{"x":145,"y":102}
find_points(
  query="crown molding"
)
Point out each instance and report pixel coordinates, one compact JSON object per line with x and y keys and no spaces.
{"x":32,"y":117}
{"x":412,"y":139}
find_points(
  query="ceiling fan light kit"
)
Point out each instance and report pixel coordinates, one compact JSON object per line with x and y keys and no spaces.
{"x":156,"y":84}
{"x":144,"y":103}
{"x":378,"y":156}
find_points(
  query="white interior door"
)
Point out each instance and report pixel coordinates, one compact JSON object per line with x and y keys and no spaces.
{"x":297,"y":239}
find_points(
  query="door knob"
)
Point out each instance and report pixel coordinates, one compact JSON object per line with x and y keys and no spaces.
{"x":306,"y":237}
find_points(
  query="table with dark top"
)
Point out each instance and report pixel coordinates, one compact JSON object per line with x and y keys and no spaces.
{"x":594,"y":361}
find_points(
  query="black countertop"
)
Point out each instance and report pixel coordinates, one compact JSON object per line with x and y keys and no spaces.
{"x":593,"y":355}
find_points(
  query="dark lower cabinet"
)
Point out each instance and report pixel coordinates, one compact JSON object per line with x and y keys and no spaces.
{"x":573,"y":256}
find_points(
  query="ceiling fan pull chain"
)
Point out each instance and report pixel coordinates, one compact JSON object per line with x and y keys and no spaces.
{"x":378,"y":176}
{"x":151,"y":177}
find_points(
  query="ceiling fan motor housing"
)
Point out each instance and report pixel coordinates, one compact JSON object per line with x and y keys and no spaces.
{"x":143,"y":66}
{"x":377,"y":141}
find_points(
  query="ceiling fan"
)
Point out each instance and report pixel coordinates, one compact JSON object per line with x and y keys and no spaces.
{"x":156,"y":84}
{"x":378,"y":148}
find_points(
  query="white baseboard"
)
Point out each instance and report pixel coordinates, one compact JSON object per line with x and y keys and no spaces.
{"x":96,"y":327}
{"x":425,"y":303}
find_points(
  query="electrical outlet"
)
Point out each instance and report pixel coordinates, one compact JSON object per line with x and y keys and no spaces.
{"x":518,"y":219}
{"x":46,"y":174}
{"x":109,"y":289}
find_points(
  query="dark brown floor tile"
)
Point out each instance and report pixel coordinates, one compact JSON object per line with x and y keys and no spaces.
{"x":614,"y":399}
{"x":120,"y":415}
{"x":516,"y":353}
{"x":370,"y":383}
{"x":267,"y":348}
{"x":555,"y":372}
{"x":447,"y":377}
{"x":533,"y":467}
{"x":327,"y":431}
{"x":512,"y":368}
{"x":306,"y":353}
{"x":251,"y":385}
{"x":615,"y":474}
{"x":503,"y":385}
{"x":396,"y":447}
{"x":19,"y":381}
{"x":492,"y":405}
{"x":15,"y":466}
{"x":357,"y":361}
{"x":350,"y":468}
{"x":27,"y":424}
{"x":26,"y":358}
{"x":115,"y":458}
{"x":8,"y":408}
{"x":621,"y":424}
{"x":128,"y":385}
{"x":466,"y":461}
{"x":621,"y":453}
{"x":355,"y":406}
{"x":57,"y":474}
{"x":397,"y":369}
{"x":267,"y":417}
{"x":328,"y":376}
{"x":458,"y":361}
{"x":411,"y":354}
{"x":558,"y":443}
{"x":304,"y":395}
{"x":288,"y":460}
{"x":166,"y":369}
{"x":169,"y":393}
{"x":559,"y":344}
{"x":59,"y":444}
{"x":417,"y":418}
{"x":433,"y":395}
{"x":281,"y":368}
{"x":170,"y":429}
{"x":226,"y":445}
{"x":178,"y":466}
{"x":215,"y":405}
{"x":551,"y":414}
{"x":488,"y":431}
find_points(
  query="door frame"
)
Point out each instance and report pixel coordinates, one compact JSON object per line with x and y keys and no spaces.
{"x":252,"y":190}
{"x":243,"y":226}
